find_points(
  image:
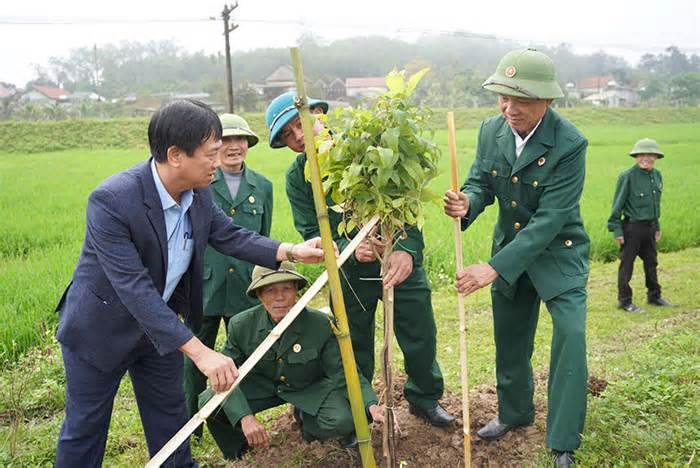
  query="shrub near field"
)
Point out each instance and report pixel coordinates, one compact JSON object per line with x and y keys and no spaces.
{"x":45,"y":136}
{"x":43,"y":196}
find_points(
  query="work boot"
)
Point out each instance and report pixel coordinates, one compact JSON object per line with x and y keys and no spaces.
{"x":630,"y":308}
{"x":349,"y":441}
{"x":661,"y":302}
{"x":563,"y":459}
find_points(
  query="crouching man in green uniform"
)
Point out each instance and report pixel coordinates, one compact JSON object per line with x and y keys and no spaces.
{"x":362,"y":287}
{"x":246,"y":196}
{"x":302,"y":368}
{"x":532,"y":161}
{"x":638,"y":200}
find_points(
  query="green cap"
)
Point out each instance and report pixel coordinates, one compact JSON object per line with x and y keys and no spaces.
{"x":525,"y":73}
{"x":646,"y":146}
{"x":235,"y":125}
{"x":264,"y":277}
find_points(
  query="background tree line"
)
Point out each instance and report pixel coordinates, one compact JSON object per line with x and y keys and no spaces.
{"x":459,"y":66}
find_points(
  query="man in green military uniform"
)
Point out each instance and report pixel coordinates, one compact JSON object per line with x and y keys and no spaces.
{"x":362,"y":288}
{"x":638,"y":200}
{"x":246,"y":196}
{"x":532,"y":161}
{"x":302,"y":368}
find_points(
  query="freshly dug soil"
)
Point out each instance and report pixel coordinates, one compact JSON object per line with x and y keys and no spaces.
{"x":418,"y":444}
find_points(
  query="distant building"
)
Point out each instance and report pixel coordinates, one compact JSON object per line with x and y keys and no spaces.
{"x":605,"y":91}
{"x":7,"y":91}
{"x":86,"y":96}
{"x":279,"y":81}
{"x":46,"y":95}
{"x":592,"y":85}
{"x":367,"y":87}
{"x":336,"y":90}
{"x":319,"y":89}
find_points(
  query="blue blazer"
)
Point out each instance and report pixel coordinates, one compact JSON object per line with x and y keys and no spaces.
{"x":115,"y":296}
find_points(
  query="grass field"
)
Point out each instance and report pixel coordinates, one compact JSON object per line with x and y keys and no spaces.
{"x":43,"y":195}
{"x":649,"y":415}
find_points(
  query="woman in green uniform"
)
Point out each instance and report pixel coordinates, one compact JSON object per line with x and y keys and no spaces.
{"x":246,"y":196}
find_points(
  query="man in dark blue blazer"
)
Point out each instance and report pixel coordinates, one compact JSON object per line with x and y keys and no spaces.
{"x":140,"y":267}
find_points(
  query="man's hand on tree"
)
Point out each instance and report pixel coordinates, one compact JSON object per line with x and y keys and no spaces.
{"x":400,"y":267}
{"x":475,"y":277}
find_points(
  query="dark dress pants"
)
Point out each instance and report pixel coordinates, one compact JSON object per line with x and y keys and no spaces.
{"x":157,"y":383}
{"x":640,"y":241}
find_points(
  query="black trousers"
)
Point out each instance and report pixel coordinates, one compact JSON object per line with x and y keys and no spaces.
{"x":640,"y":241}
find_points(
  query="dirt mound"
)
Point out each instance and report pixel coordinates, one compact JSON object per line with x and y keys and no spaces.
{"x":418,"y":443}
{"x":596,"y":386}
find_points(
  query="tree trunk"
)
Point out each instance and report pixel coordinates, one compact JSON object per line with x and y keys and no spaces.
{"x":388,"y":441}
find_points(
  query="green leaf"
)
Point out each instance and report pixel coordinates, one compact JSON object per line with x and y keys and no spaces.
{"x":395,"y":82}
{"x":390,"y":139}
{"x":415,"y":79}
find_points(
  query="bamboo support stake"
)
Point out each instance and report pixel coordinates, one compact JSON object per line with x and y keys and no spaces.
{"x":459,"y":262}
{"x":342,"y":330}
{"x":182,"y":435}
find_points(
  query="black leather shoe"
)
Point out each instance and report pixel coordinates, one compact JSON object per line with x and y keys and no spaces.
{"x":630,"y":308}
{"x":349,"y":441}
{"x":298,"y":416}
{"x":437,"y":416}
{"x":563,"y":459}
{"x":661,"y":302}
{"x":494,"y":430}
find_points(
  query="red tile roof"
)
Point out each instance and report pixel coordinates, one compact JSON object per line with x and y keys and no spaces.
{"x":369,"y":82}
{"x":595,"y":82}
{"x":4,"y":92}
{"x":51,"y":92}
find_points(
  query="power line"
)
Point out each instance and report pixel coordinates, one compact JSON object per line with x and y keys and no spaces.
{"x":87,"y":21}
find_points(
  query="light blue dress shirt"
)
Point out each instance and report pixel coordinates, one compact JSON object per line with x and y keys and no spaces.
{"x":178,"y":229}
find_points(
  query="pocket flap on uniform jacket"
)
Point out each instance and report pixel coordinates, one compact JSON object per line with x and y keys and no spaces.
{"x":253,"y":209}
{"x":207,"y":273}
{"x":302,"y":357}
{"x":495,"y":168}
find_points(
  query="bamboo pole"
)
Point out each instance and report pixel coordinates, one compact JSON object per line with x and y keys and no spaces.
{"x":459,"y":262}
{"x":342,"y":331}
{"x":182,"y":435}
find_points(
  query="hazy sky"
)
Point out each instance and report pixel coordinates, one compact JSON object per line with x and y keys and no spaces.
{"x":31,"y":32}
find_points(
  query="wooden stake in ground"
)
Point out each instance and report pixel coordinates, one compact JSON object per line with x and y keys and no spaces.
{"x":199,"y":418}
{"x":459,"y":262}
{"x":342,"y":328}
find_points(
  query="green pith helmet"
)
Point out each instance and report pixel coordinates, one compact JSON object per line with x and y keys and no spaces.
{"x":235,"y":125}
{"x":282,"y":110}
{"x":525,"y":73}
{"x":262,"y":277}
{"x":646,"y":146}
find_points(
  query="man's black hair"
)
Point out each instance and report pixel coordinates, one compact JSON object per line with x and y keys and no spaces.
{"x":184,"y":123}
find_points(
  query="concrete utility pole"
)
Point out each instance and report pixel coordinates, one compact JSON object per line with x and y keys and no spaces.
{"x":225,"y":15}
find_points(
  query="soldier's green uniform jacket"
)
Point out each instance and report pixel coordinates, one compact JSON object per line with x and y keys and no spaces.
{"x":539,"y":230}
{"x":226,"y":278}
{"x":637,"y":197}
{"x":300,"y":196}
{"x":302,"y":368}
